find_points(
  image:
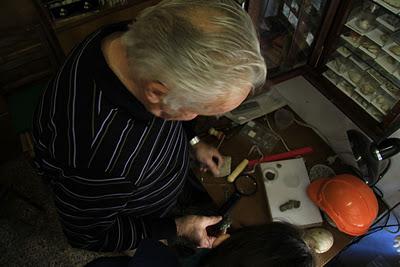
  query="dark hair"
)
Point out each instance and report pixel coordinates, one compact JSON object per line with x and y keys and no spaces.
{"x":274,"y":244}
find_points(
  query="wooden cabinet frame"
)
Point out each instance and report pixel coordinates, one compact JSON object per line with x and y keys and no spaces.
{"x":331,"y":27}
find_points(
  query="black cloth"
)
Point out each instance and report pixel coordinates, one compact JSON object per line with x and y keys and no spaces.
{"x":115,"y":169}
{"x":150,"y":253}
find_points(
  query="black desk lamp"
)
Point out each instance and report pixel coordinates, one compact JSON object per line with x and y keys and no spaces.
{"x":373,"y":159}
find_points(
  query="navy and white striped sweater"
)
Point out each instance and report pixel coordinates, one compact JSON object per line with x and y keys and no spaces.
{"x":115,"y":168}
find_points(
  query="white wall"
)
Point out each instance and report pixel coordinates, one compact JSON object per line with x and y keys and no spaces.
{"x":318,"y":111}
{"x":390,"y":184}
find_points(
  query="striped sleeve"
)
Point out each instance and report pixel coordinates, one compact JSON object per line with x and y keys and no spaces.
{"x":91,"y":212}
{"x":115,"y":173}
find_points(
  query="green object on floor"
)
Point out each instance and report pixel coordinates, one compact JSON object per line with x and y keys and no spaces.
{"x":22,"y":105}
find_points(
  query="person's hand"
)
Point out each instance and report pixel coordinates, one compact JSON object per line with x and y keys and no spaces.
{"x":221,"y":238}
{"x":209,"y":156}
{"x":193,"y":228}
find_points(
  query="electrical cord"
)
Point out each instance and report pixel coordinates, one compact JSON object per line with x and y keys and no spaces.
{"x":378,"y":191}
{"x":373,"y":230}
{"x":382,"y":173}
{"x":314,"y":129}
{"x":387,"y":214}
{"x":384,"y":203}
{"x":323,"y":137}
{"x":277,"y":135}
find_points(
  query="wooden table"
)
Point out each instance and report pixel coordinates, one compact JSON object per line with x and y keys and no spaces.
{"x":254,"y":210}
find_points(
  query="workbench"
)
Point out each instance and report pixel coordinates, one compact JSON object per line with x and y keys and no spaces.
{"x":253,"y":210}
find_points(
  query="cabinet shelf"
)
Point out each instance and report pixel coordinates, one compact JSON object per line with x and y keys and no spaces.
{"x":390,"y":8}
{"x":64,"y":24}
{"x":360,"y":33}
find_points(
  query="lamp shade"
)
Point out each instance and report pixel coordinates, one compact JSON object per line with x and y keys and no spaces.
{"x":366,"y":161}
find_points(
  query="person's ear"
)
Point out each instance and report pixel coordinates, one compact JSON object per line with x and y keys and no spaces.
{"x":155,"y":92}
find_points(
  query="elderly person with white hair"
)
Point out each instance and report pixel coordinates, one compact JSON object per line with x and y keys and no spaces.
{"x":108,"y":130}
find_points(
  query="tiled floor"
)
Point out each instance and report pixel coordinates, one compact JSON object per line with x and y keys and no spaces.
{"x":29,"y":236}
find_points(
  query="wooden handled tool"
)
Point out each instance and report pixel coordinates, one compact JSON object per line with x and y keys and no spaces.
{"x":238,"y":170}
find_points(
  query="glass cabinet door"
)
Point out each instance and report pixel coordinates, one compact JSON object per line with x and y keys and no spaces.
{"x":365,"y":61}
{"x":288,"y":30}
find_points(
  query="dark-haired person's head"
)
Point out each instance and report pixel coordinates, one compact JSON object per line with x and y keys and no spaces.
{"x":274,"y":244}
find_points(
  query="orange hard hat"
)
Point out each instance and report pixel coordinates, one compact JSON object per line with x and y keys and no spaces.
{"x":347,"y":200}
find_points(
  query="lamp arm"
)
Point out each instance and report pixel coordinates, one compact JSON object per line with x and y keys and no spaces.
{"x":386,"y":148}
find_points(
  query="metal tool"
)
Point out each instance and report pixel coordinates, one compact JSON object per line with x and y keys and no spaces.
{"x":244,"y":185}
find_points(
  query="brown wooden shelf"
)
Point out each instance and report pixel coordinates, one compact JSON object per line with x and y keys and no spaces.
{"x":64,"y":24}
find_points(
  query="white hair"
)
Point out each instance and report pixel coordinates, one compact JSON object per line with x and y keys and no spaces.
{"x":202,"y":50}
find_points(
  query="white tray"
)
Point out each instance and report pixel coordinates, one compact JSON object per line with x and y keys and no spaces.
{"x":343,"y":51}
{"x":387,"y":47}
{"x":360,"y":63}
{"x":290,"y":183}
{"x":396,"y":74}
{"x":347,"y":39}
{"x":367,"y":98}
{"x":352,"y":25}
{"x":330,"y":65}
{"x":396,"y":97}
{"x":385,"y":63}
{"x":390,"y":102}
{"x":381,"y":20}
{"x":388,"y":7}
{"x":375,"y":35}
{"x":343,"y":90}
{"x":365,"y":50}
{"x":330,"y":79}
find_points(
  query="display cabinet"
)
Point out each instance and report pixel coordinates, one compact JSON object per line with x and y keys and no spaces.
{"x":289,"y":31}
{"x":360,"y":66}
{"x":349,"y":50}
